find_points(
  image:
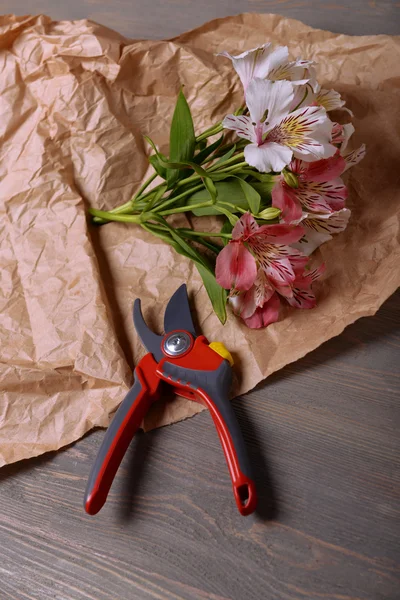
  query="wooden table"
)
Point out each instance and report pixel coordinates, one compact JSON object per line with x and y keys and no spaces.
{"x":322,"y":435}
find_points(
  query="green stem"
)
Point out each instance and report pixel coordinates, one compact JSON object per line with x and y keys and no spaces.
{"x":190,"y":179}
{"x":144,"y":186}
{"x":170,"y":201}
{"x":126,"y":208}
{"x":236,"y":167}
{"x":183,"y":209}
{"x":229,"y":162}
{"x":210,"y":132}
{"x":204,"y":233}
{"x":109,"y":216}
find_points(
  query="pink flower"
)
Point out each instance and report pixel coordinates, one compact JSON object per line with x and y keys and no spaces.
{"x":303,"y":296}
{"x":260,"y":266}
{"x":312,"y":187}
{"x":268,"y":245}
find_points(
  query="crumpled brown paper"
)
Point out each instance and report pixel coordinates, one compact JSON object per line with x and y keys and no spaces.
{"x":75,"y":101}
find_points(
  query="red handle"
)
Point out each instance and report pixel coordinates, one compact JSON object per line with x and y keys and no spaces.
{"x":123,"y":427}
{"x":244,"y":488}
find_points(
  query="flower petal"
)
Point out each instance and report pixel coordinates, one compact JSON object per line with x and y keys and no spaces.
{"x":278,"y":234}
{"x":275,"y":97}
{"x":257,"y":62}
{"x":307,"y":131}
{"x":298,"y":71}
{"x":322,"y":197}
{"x":236,"y":267}
{"x":242,"y":125}
{"x":319,"y":229}
{"x":325,"y":169}
{"x":331,"y":100}
{"x":262,"y":317}
{"x":268,"y":157}
{"x":354,"y":157}
{"x":311,"y":241}
{"x":280,"y":272}
{"x":246,"y":226}
{"x":302,"y":298}
{"x":286,"y":201}
{"x":246,"y":303}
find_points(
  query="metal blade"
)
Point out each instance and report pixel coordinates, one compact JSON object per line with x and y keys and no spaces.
{"x":177,"y":314}
{"x":150,"y":340}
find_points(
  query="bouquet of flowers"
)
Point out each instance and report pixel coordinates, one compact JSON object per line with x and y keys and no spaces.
{"x":276,"y":187}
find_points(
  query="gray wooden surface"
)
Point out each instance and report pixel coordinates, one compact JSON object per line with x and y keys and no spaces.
{"x":322,"y":434}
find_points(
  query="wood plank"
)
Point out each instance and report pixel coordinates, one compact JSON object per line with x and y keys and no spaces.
{"x":322,"y":435}
{"x":164,"y":19}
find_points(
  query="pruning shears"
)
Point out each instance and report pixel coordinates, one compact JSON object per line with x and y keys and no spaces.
{"x":196,"y":370}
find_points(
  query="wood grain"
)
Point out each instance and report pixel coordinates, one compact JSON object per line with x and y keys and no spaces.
{"x":157,"y":19}
{"x":322,"y":434}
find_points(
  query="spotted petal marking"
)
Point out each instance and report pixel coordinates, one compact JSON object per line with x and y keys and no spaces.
{"x":302,"y":298}
{"x":242,"y":125}
{"x":331,"y":100}
{"x":354,"y":157}
{"x":307,"y":131}
{"x":322,"y":197}
{"x":319,"y":229}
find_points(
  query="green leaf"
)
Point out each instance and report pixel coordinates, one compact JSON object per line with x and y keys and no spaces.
{"x":233,"y":219}
{"x":226,"y":156}
{"x":182,"y":139}
{"x":216,"y":293}
{"x":201,"y":145}
{"x":211,"y":189}
{"x":264,"y":189}
{"x":154,"y":199}
{"x":228,"y":191}
{"x":207,"y":151}
{"x":226,"y":228}
{"x":262,"y":177}
{"x":159,"y":169}
{"x":252,"y":196}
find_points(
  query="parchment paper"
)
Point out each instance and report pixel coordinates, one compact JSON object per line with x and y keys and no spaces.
{"x":75,"y":101}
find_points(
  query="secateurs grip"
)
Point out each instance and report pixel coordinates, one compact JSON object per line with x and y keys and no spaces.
{"x":119,"y":434}
{"x":212,"y":388}
{"x":196,"y":370}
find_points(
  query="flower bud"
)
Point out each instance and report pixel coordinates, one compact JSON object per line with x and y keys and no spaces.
{"x":290,"y":178}
{"x":270,"y":213}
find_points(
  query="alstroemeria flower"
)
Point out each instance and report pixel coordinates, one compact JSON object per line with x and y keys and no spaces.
{"x":340,"y":137}
{"x":303,"y":296}
{"x":279,"y":271}
{"x":331,"y":100}
{"x":259,"y":306}
{"x":319,"y":188}
{"x":328,"y":99}
{"x":275,"y":134}
{"x":354,"y":157}
{"x":267,"y":62}
{"x":319,"y":229}
{"x":253,"y":247}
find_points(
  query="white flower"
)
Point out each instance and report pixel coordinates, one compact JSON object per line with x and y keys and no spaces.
{"x":328,"y":99}
{"x":275,"y":133}
{"x":331,"y":100}
{"x":267,"y":62}
{"x":354,"y":157}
